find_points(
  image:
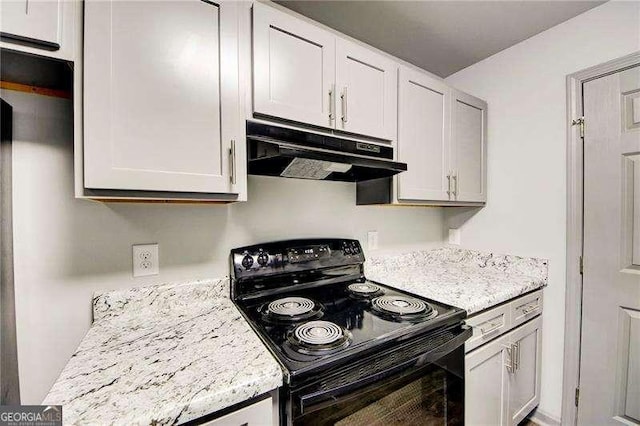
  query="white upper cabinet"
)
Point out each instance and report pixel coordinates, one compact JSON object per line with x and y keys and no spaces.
{"x":442,"y":138}
{"x":468,"y":147}
{"x":32,"y":21}
{"x":306,"y":74}
{"x":423,"y":137}
{"x":293,"y":68}
{"x":161,"y":97}
{"x":366,"y":90}
{"x":41,"y":27}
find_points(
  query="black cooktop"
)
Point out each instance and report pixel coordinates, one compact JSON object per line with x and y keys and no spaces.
{"x":362,"y":327}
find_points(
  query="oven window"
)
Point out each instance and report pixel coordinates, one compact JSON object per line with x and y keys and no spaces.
{"x":421,"y":402}
{"x":431,"y":396}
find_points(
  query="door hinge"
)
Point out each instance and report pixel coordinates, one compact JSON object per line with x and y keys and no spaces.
{"x":579,"y":122}
{"x":581,"y":265}
{"x":577,"y":396}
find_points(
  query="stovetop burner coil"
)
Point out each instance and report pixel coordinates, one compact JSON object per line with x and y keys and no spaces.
{"x":315,"y":337}
{"x":402,"y":306}
{"x":288,"y":310}
{"x":291,"y":306}
{"x":318,"y":333}
{"x":364,"y":289}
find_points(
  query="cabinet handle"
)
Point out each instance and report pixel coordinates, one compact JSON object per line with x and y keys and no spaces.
{"x":449,"y":185}
{"x":232,"y":161}
{"x":343,"y":101}
{"x":455,"y":185}
{"x":493,"y":327}
{"x":514,"y":353}
{"x":529,"y":309}
{"x":332,"y":105}
{"x":509,"y":362}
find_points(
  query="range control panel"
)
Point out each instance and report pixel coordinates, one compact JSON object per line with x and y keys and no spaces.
{"x":306,"y":254}
{"x":293,"y":256}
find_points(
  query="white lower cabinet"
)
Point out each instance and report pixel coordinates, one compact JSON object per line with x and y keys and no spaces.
{"x":524,"y":382}
{"x":486,"y":384}
{"x":260,"y":413}
{"x":502,"y":377}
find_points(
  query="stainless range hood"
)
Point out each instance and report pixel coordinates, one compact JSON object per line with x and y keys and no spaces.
{"x":286,"y":152}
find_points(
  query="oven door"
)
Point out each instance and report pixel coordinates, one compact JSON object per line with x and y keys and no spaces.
{"x":418,"y":383}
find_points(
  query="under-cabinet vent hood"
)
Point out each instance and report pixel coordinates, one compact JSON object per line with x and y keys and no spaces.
{"x":285,"y":152}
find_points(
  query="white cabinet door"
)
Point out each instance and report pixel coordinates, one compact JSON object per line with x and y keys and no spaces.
{"x":524,"y":383}
{"x":293,"y":68}
{"x":36,"y":22}
{"x":161,"y":101}
{"x":469,"y":147}
{"x":366,"y":90}
{"x":258,"y":414}
{"x":423,"y":137}
{"x":486,"y":385}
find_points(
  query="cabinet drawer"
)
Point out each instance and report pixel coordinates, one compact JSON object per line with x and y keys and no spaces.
{"x":525,"y":308}
{"x":260,"y":413}
{"x":488,"y":325}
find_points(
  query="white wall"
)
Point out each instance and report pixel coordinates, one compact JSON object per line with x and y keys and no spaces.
{"x":66,"y":248}
{"x":526,"y":208}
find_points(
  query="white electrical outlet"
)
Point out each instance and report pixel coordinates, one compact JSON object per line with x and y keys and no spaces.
{"x":454,"y":236}
{"x":145,"y":260}
{"x":372,"y":240}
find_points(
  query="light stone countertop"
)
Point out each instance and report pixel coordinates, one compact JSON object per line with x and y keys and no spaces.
{"x":163,"y":354}
{"x":467,"y":279}
{"x":172,"y":353}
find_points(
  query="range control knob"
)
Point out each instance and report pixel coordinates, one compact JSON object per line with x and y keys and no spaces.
{"x":263,"y":258}
{"x":247,"y":261}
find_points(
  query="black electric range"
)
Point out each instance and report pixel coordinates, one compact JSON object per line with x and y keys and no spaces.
{"x":339,"y":336}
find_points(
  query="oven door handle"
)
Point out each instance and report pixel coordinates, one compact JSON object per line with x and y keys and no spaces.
{"x":321,"y":399}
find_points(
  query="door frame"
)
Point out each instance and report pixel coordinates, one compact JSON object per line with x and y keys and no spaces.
{"x":574,"y":243}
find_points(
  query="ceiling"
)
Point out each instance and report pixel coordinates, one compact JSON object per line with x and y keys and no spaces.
{"x":440,"y":36}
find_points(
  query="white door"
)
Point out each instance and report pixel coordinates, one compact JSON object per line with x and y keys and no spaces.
{"x":423,"y":137}
{"x":293,"y":68}
{"x":160,"y":95}
{"x":468,"y":147}
{"x":36,"y":21}
{"x":486,"y":385}
{"x":524,"y":383}
{"x":367,"y":91}
{"x":610,"y":352}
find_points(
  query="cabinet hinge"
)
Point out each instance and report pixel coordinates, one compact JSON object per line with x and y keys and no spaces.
{"x":581,"y":265}
{"x":577,"y":396}
{"x":579,"y":122}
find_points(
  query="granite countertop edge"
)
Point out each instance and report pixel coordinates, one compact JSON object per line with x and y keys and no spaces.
{"x":162,"y":355}
{"x":472,"y":280}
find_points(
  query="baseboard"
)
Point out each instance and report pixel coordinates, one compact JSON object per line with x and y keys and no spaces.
{"x":543,"y":419}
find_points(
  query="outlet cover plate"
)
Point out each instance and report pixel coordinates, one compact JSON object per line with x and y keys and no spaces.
{"x":145,"y":260}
